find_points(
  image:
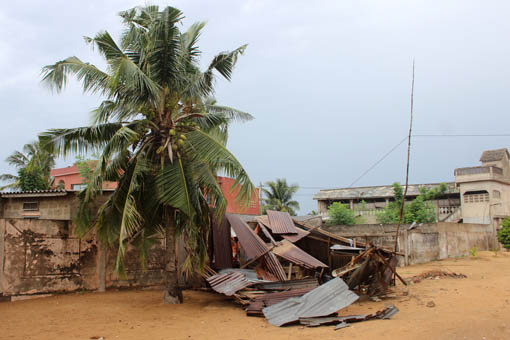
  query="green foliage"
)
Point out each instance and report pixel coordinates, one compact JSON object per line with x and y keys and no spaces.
{"x":341,"y":214}
{"x":419,"y":210}
{"x":159,"y":133}
{"x":85,"y":167}
{"x":153,"y":85}
{"x":35,"y":163}
{"x":279,"y":197}
{"x":504,"y":233}
{"x":30,"y":180}
{"x":472,"y":251}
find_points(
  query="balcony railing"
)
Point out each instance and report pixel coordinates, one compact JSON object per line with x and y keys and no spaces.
{"x":477,"y":170}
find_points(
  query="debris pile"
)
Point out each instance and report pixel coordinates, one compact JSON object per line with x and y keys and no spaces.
{"x":436,"y":274}
{"x":276,"y":267}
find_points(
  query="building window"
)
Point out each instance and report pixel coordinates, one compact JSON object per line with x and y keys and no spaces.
{"x":78,"y":186}
{"x":476,"y":196}
{"x":496,"y":194}
{"x":30,"y":206}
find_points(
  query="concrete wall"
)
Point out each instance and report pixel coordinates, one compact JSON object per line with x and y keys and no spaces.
{"x":43,"y":256}
{"x":427,"y":242}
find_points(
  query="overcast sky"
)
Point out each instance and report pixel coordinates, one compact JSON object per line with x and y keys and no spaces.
{"x":327,"y":81}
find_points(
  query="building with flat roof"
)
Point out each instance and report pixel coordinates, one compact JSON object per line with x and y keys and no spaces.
{"x":480,"y":194}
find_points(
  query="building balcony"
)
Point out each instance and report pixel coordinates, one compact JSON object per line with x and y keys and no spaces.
{"x":479,"y":173}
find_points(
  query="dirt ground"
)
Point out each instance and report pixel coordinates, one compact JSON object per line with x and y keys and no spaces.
{"x":477,"y":307}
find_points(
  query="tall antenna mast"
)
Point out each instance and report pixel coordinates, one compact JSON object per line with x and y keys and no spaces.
{"x":407,"y":166}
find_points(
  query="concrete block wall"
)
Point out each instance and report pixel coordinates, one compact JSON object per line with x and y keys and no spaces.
{"x":426,"y":243}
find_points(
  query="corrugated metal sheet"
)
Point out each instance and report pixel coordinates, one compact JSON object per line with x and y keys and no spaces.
{"x":252,"y":244}
{"x":222,"y":244}
{"x":281,"y":222}
{"x":264,"y":220}
{"x":291,"y":253}
{"x":322,"y":301}
{"x":260,"y":302}
{"x":254,"y":247}
{"x":229,"y":283}
{"x":291,"y":284}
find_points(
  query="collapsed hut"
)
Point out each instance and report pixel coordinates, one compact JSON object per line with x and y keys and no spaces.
{"x":278,"y":266}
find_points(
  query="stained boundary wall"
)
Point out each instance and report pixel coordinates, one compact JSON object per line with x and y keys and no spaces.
{"x":426,"y":242}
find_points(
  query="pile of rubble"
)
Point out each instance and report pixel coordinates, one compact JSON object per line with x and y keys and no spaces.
{"x":436,"y":274}
{"x":276,"y":267}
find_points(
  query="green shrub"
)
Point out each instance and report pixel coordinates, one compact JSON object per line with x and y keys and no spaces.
{"x":340,"y":214}
{"x":504,"y":233}
{"x":473,"y":251}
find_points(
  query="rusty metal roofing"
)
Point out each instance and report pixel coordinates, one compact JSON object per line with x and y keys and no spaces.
{"x":321,"y":301}
{"x":291,"y":253}
{"x":281,"y":222}
{"x":252,"y":244}
{"x":255,"y":247}
{"x":229,"y":283}
{"x":264,"y":220}
{"x":222,"y":244}
{"x":287,"y":285}
{"x":258,"y":303}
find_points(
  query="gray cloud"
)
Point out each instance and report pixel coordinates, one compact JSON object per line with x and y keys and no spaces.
{"x":328,"y":82}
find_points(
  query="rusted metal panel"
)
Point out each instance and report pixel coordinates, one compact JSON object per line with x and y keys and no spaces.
{"x":321,"y":301}
{"x":229,"y":283}
{"x":264,"y":220}
{"x":281,"y":222}
{"x":255,"y":247}
{"x":260,"y":302}
{"x":291,"y":253}
{"x":222,"y":244}
{"x":252,"y":244}
{"x":287,"y":285}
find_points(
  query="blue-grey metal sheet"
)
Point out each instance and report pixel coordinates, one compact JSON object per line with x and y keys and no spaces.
{"x":322,"y":301}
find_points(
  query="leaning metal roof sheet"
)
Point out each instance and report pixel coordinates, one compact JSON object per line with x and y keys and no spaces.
{"x":254,"y":246}
{"x":323,"y":300}
{"x":291,"y":253}
{"x":281,"y":222}
{"x":251,"y":242}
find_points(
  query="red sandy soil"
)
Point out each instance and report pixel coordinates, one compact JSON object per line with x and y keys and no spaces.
{"x":477,"y":307}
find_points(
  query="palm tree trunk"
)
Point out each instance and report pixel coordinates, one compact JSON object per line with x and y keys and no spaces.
{"x":173,"y":294}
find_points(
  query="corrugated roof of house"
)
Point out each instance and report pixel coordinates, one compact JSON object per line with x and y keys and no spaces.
{"x":494,"y":155}
{"x":381,"y":191}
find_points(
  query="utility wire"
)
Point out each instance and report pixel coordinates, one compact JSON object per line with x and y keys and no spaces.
{"x":378,"y":161}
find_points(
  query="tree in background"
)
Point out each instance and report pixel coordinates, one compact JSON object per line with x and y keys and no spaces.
{"x":279,"y":197}
{"x":340,"y":214}
{"x":33,"y":166}
{"x":158,"y":134}
{"x":419,"y":210}
{"x":504,"y":233}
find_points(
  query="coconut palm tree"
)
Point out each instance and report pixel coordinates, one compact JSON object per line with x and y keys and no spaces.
{"x":158,"y":134}
{"x":279,"y":196}
{"x":35,"y":162}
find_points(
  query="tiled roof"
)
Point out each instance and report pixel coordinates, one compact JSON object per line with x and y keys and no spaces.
{"x":35,"y":193}
{"x":494,"y":155}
